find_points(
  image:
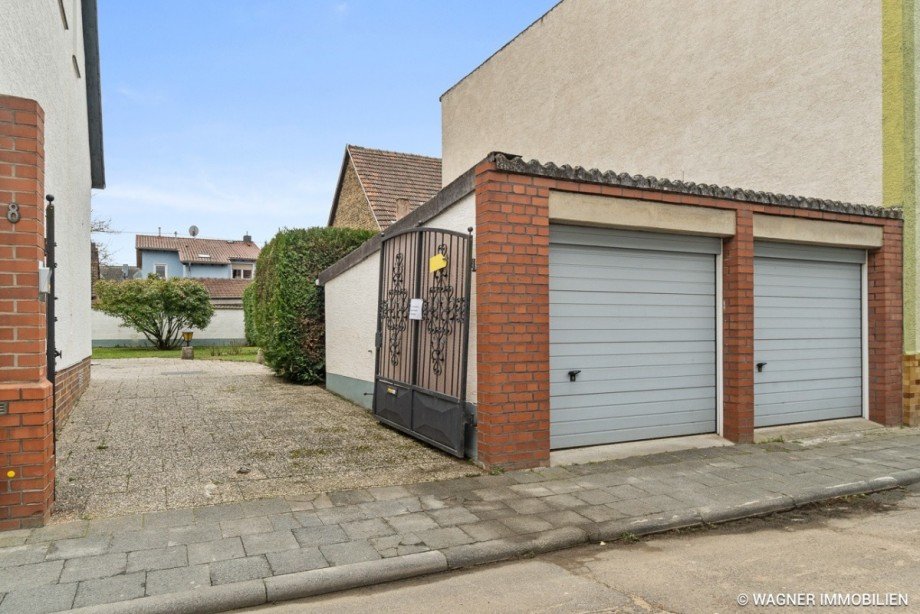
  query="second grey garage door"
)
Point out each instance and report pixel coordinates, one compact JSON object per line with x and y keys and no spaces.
{"x":807,"y":333}
{"x":635,"y":315}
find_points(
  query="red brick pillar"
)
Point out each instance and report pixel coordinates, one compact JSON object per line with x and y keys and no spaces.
{"x":512,"y":302}
{"x":885,"y":329}
{"x":26,"y":406}
{"x":738,"y":331}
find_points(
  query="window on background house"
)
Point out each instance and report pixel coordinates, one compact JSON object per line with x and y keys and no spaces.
{"x":242,"y":271}
{"x":160,"y":270}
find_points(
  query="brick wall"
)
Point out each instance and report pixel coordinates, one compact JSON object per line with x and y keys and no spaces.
{"x":69,"y":385}
{"x":352,"y":209}
{"x":512,"y":251}
{"x":512,"y":306}
{"x":911,"y":378}
{"x":738,"y":331}
{"x":886,"y":328}
{"x":26,"y":429}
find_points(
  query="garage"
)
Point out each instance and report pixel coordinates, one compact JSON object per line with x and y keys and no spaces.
{"x":808,"y":333}
{"x":633,"y":335}
{"x":607,"y":308}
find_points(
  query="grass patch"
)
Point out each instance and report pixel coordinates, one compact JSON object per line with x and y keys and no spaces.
{"x":228,"y":352}
{"x":629,"y":538}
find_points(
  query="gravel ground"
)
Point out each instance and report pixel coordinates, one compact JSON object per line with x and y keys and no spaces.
{"x":157,"y":434}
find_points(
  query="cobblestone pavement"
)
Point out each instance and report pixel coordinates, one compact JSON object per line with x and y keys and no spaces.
{"x":156,"y":434}
{"x":256,"y":544}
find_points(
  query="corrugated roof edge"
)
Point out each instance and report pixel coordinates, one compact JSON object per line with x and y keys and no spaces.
{"x":515,"y":164}
{"x":511,"y":163}
{"x":449,"y":195}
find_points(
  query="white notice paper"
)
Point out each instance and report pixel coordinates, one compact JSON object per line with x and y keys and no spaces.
{"x":415,"y":309}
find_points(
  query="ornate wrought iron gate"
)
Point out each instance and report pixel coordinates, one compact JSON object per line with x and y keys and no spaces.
{"x":423,"y":335}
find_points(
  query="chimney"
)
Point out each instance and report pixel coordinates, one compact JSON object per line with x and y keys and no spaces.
{"x":247,"y":238}
{"x":402,"y":208}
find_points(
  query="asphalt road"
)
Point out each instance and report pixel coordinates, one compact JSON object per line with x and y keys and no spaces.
{"x":860,"y":545}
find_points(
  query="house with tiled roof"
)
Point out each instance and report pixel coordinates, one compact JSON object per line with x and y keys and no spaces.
{"x":377,"y":187}
{"x":175,"y":256}
{"x":224,"y":267}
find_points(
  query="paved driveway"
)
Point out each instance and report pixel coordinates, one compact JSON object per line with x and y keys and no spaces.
{"x":154,"y":434}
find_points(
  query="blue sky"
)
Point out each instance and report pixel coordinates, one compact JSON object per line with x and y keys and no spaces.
{"x":233,"y":114}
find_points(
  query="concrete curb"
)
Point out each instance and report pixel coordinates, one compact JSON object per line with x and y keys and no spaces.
{"x":203,"y":600}
{"x":495,"y":550}
{"x":344,"y":577}
{"x":332,"y":579}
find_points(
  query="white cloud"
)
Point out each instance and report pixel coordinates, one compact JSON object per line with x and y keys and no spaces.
{"x":141,"y":97}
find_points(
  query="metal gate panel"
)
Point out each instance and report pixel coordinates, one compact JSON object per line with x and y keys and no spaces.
{"x":420,"y":384}
{"x":807,"y":333}
{"x":636,"y":317}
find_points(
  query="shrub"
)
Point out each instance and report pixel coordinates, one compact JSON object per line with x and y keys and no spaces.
{"x":160,"y":309}
{"x":249,"y":297}
{"x":284,"y":308}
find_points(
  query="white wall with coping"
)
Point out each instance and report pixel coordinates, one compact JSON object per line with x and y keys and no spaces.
{"x":36,"y":62}
{"x":351,"y":320}
{"x":775,"y":95}
{"x":351,"y":312}
{"x":226,"y":328}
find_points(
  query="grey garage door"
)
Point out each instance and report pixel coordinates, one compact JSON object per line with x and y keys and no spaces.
{"x":635,"y":314}
{"x":807,"y":333}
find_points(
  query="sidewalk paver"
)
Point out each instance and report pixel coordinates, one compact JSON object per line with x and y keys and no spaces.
{"x":309,"y":544}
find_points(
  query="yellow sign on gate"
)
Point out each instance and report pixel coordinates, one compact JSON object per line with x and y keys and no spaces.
{"x":436,"y":263}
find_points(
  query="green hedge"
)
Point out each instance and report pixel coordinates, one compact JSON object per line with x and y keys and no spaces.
{"x":284,"y":308}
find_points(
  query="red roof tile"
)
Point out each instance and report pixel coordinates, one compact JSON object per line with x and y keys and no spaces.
{"x":225,"y":288}
{"x":388,"y":175}
{"x":200,"y":251}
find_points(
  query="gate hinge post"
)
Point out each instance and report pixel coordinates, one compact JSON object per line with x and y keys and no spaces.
{"x":378,"y":339}
{"x":472,"y":264}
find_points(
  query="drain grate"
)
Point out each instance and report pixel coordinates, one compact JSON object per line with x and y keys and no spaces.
{"x":182,"y":373}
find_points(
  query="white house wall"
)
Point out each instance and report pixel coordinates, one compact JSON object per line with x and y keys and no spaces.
{"x":226,"y":328}
{"x":36,"y":62}
{"x":776,"y":95}
{"x":351,"y":326}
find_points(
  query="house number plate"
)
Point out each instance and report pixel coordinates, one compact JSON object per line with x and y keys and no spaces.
{"x":12,"y":213}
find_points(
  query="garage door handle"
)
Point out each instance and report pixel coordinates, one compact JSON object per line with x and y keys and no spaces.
{"x":760,"y":366}
{"x":573,"y":375}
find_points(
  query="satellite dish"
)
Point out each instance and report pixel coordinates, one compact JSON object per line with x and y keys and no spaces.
{"x":193,"y":231}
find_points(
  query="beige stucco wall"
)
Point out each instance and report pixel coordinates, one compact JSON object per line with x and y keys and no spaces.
{"x":777,"y":95}
{"x":816,"y":232}
{"x":592,"y":210}
{"x":36,"y":62}
{"x":351,"y":308}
